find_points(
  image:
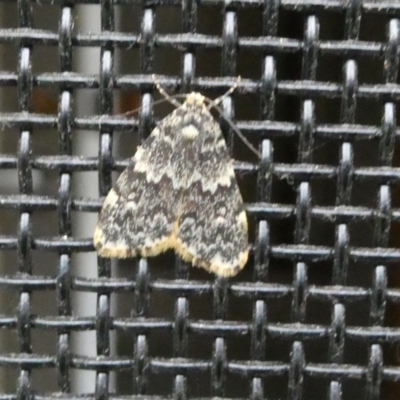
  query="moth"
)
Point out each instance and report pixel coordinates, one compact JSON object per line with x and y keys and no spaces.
{"x":179,"y":192}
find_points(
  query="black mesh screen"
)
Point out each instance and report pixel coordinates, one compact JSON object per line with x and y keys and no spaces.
{"x":315,"y":314}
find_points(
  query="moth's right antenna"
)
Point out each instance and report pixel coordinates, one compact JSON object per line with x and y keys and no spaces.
{"x":214,"y":104}
{"x":220,"y":99}
{"x":164,"y":93}
{"x":236,"y":130}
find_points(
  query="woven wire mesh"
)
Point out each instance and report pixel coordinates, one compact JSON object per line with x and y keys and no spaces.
{"x":315,"y":314}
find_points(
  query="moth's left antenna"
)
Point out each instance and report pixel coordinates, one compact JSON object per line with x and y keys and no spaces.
{"x":164,"y":93}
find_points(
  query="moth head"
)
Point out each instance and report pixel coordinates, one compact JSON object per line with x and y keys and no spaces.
{"x":195,"y":99}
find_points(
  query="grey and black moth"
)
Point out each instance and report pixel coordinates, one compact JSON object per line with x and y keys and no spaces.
{"x":178,"y":192}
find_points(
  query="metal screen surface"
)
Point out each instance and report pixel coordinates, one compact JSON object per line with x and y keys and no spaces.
{"x":315,"y":314}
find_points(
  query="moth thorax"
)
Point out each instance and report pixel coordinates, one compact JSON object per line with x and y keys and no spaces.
{"x":195,"y":99}
{"x":190,"y":132}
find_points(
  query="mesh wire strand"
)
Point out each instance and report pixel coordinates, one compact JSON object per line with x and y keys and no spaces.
{"x":315,"y":314}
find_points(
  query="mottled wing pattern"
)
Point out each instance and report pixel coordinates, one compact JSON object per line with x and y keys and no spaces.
{"x":179,"y":192}
{"x":139,"y":215}
{"x":212,"y":220}
{"x":213,"y":234}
